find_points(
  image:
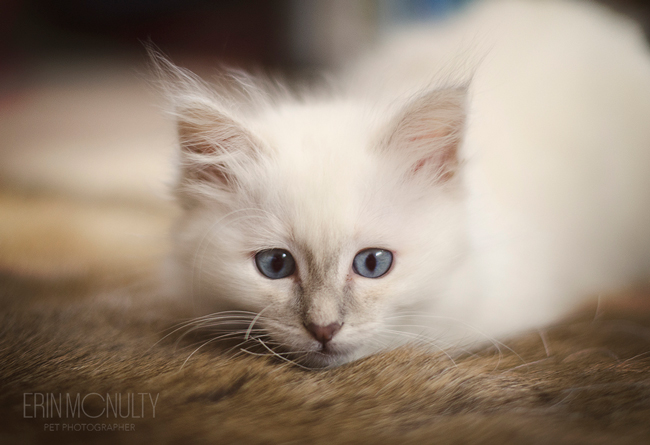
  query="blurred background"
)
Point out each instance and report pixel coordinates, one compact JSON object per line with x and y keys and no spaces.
{"x":278,"y":33}
{"x":288,"y":34}
{"x":82,"y":128}
{"x":77,"y":113}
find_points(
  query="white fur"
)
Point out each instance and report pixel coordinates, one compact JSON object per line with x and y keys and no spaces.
{"x":547,"y":200}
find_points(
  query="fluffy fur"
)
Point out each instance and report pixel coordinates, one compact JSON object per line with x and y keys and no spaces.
{"x":501,"y":156}
{"x":585,"y":381}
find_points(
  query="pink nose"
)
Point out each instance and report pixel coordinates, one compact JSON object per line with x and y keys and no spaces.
{"x":323,"y":333}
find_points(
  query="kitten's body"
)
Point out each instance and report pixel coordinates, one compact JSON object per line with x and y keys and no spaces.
{"x":556,"y":151}
{"x":507,"y":190}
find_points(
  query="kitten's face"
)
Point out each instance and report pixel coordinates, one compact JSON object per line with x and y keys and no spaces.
{"x":318,"y":227}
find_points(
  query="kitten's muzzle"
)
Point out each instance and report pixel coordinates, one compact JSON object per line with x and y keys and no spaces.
{"x":323,"y":334}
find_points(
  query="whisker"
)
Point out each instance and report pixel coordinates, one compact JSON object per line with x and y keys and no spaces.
{"x":633,"y":358}
{"x":213,"y":339}
{"x":198,"y":327}
{"x":196,"y":350}
{"x":542,"y":336}
{"x":250,"y":327}
{"x":183,"y":325}
{"x":424,"y":340}
{"x":496,"y":343}
{"x":281,"y":357}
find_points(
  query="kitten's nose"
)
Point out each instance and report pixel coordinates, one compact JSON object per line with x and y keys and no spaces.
{"x":323,"y":333}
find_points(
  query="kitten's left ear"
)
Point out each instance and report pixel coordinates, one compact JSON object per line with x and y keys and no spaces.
{"x":426,"y":134}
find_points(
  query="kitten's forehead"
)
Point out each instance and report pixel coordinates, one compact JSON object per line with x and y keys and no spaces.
{"x":319,"y":136}
{"x":322,"y":163}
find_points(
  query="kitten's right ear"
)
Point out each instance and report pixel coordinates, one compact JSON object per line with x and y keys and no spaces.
{"x":215,"y":147}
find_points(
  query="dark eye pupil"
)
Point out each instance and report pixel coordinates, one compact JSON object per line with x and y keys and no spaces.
{"x":277,"y":263}
{"x":371,"y":262}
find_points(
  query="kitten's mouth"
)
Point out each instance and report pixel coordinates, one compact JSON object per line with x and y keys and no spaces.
{"x":327,"y":349}
{"x":328,"y":355}
{"x":307,"y":351}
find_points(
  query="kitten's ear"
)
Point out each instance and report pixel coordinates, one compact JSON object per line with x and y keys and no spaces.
{"x":215,"y":146}
{"x":425,"y":136}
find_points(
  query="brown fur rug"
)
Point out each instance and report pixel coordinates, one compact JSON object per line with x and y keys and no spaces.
{"x":78,"y":319}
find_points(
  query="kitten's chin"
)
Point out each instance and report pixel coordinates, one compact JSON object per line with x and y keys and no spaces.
{"x":320,"y":360}
{"x":332,"y":357}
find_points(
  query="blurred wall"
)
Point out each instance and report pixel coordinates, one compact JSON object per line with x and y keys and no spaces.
{"x":283,"y":33}
{"x":276,"y":33}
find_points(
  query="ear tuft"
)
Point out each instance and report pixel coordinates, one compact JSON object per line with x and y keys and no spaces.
{"x":215,"y":146}
{"x":427,"y":133}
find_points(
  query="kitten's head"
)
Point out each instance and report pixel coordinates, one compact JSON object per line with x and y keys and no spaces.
{"x":325,"y":216}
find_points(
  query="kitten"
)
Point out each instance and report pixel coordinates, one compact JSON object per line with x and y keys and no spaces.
{"x":471,"y":179}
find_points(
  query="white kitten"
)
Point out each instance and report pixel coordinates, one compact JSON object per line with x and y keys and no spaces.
{"x":484,"y":175}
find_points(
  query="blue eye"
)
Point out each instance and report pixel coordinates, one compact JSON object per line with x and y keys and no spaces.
{"x":372,"y":263}
{"x":275,"y":263}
